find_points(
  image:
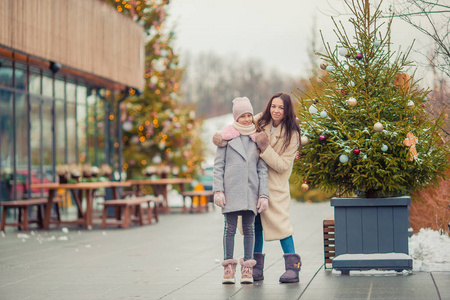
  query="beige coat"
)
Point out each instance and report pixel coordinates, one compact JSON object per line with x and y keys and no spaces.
{"x":276,"y":220}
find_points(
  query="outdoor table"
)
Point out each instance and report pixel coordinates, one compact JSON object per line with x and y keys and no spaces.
{"x":84,"y":218}
{"x":114,"y":185}
{"x":160,"y":187}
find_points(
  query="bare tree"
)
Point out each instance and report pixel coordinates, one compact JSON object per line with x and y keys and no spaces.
{"x":212,"y":82}
{"x":432,"y":18}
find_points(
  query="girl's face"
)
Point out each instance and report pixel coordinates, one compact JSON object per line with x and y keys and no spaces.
{"x":277,"y":111}
{"x":245,"y":119}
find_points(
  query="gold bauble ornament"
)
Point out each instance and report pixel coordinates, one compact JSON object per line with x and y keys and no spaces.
{"x":305,"y":187}
{"x":351,"y":101}
{"x":378,"y":127}
{"x":304,"y":140}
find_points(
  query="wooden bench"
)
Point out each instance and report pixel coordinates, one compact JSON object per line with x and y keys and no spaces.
{"x":128,"y":194}
{"x":23,"y":206}
{"x":125,"y":215}
{"x":208,"y":194}
{"x":328,"y":241}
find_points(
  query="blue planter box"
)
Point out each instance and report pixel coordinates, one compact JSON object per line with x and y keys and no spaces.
{"x":371,"y":233}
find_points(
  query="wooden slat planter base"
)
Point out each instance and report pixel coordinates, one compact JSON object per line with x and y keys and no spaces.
{"x":328,"y":241}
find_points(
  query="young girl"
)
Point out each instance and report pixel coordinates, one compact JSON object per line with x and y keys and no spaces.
{"x":240,"y":187}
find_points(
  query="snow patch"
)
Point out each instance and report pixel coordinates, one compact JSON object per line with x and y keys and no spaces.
{"x":430,"y":251}
{"x":372,"y":256}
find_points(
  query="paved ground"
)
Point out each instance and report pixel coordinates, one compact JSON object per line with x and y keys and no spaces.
{"x":179,"y":258}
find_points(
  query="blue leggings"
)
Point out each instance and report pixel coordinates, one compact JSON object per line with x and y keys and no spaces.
{"x":287,"y":243}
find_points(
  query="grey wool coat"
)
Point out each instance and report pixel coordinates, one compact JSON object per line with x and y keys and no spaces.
{"x":240,"y":174}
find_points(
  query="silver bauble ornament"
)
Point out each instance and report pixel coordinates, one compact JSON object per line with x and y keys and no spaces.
{"x":312,"y":110}
{"x":343,"y":158}
{"x":343,"y":51}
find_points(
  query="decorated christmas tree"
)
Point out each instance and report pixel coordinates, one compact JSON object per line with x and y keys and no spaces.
{"x":160,"y":135}
{"x":367,"y":132}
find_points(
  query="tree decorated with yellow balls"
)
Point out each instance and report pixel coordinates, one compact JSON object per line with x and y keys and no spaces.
{"x":160,"y":135}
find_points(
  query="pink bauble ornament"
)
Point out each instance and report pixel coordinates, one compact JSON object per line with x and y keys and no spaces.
{"x":359,"y":56}
{"x":356,"y":151}
{"x":322,"y":138}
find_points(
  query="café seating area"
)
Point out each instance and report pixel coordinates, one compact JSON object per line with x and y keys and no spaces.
{"x":130,"y":202}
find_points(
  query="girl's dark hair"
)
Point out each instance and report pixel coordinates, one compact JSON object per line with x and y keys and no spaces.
{"x":289,"y":124}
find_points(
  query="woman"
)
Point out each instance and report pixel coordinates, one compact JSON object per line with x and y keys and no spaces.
{"x":278,"y":140}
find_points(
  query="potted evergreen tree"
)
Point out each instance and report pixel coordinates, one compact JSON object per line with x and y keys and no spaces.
{"x":367,"y":137}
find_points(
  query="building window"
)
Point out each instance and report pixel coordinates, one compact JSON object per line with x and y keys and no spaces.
{"x":35,"y":84}
{"x":21,"y":132}
{"x":6,"y":133}
{"x":20,"y":75}
{"x":81,"y":110}
{"x":46,"y":120}
{"x":6,"y":73}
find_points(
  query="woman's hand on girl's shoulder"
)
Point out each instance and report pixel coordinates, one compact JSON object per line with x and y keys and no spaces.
{"x":218,"y":140}
{"x":262,"y":140}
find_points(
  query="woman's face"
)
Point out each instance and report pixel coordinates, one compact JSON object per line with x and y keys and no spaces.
{"x":277,"y":111}
{"x":245,"y":119}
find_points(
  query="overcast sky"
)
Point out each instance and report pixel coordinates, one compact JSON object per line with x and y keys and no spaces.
{"x":277,"y":32}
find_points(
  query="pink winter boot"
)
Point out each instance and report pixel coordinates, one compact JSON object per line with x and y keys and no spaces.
{"x":247,"y":270}
{"x":229,"y":269}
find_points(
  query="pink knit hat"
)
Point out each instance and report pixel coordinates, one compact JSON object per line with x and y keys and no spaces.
{"x":241,"y":105}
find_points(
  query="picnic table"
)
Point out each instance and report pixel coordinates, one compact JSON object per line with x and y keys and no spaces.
{"x":82,"y":190}
{"x":160,"y":187}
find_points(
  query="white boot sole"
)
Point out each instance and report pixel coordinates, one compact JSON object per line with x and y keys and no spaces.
{"x":247,"y":280}
{"x":228,"y":281}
